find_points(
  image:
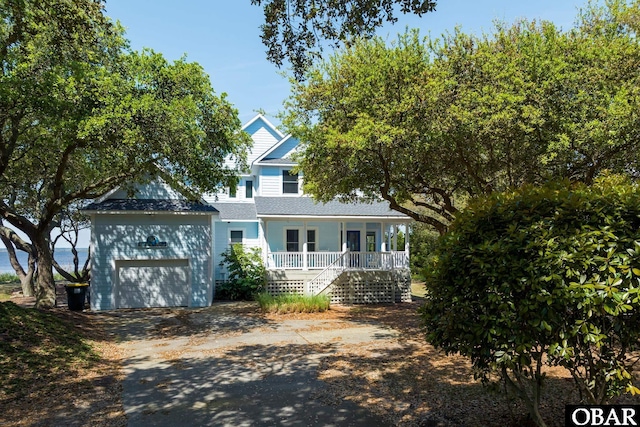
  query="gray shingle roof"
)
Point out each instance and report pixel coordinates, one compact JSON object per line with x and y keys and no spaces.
{"x":149,"y":205}
{"x":306,"y":206}
{"x":279,"y":162}
{"x":236,"y":211}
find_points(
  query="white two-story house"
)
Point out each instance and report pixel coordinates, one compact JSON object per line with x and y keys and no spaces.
{"x":159,"y":249}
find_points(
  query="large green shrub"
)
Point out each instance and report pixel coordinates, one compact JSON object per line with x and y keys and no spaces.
{"x":247,"y":273}
{"x":542,"y":275}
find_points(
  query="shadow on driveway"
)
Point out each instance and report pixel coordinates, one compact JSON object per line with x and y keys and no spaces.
{"x":212,"y":367}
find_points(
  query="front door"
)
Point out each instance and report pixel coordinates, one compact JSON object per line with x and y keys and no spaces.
{"x":353,"y":243}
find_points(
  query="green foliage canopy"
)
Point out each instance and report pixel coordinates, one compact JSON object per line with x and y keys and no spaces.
{"x":296,"y":29}
{"x":80,"y":113}
{"x":542,"y":275}
{"x":423,"y":123}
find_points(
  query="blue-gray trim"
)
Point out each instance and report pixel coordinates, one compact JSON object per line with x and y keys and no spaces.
{"x":306,"y":206}
{"x":149,"y":205}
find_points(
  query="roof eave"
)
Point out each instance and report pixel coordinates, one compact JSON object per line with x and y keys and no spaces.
{"x":341,"y":217}
{"x":140,"y":212}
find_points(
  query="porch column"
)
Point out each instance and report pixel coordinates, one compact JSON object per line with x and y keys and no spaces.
{"x":305,"y":263}
{"x":383,"y":243}
{"x":395,"y":237}
{"x":406,"y":245}
{"x":406,"y":239}
{"x":262,"y":235}
{"x":344,"y":236}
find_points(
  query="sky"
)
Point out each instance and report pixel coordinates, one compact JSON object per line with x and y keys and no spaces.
{"x":224,"y":37}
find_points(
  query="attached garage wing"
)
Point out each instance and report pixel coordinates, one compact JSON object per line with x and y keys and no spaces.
{"x":152,"y":283}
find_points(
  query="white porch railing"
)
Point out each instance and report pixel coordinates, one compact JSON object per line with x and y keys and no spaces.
{"x":327,"y":276}
{"x":296,"y":260}
{"x":352,"y":260}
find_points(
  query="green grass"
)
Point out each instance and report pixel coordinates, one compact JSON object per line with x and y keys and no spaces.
{"x":289,"y":303}
{"x":37,"y":347}
{"x":9,"y":278}
{"x":418,"y":289}
{"x":6,"y":289}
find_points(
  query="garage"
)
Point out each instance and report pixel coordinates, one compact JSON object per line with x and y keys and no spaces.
{"x":153,"y":251}
{"x":153,"y":283}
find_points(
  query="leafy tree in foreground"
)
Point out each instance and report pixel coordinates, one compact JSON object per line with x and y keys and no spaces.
{"x":247,"y":273}
{"x":426,"y":123}
{"x":80,"y":114}
{"x":542,"y":275}
{"x":296,"y":29}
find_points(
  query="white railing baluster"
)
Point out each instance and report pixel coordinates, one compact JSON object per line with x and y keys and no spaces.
{"x":352,"y":260}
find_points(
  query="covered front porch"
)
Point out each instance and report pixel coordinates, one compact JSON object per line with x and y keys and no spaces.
{"x":318,"y":245}
{"x":356,"y":253}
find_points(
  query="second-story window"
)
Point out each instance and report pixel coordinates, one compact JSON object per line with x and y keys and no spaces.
{"x":248,"y":190}
{"x":235,"y":236}
{"x":289,"y":182}
{"x":232,"y":191}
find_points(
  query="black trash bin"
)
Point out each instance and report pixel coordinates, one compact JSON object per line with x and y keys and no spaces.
{"x":76,"y":295}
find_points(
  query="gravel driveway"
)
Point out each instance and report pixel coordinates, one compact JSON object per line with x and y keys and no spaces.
{"x":227,"y":366}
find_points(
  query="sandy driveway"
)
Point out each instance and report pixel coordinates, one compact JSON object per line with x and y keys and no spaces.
{"x":229,"y":366}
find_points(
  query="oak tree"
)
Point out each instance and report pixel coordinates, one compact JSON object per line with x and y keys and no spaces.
{"x":80,"y":113}
{"x":427,"y":123}
{"x":295,"y":30}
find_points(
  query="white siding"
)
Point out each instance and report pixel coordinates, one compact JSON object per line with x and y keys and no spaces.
{"x":264,"y":137}
{"x":270,"y":181}
{"x":263,"y":140}
{"x":240,"y":193}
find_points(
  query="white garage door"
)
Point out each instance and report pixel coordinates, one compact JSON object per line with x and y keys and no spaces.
{"x":152,"y":283}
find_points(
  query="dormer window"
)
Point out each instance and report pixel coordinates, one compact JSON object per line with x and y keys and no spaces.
{"x":232,"y":191}
{"x":289,"y":182}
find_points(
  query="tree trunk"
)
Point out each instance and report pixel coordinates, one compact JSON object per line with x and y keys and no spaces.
{"x":26,"y":278}
{"x":46,"y":287}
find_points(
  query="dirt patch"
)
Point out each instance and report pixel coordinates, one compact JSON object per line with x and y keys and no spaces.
{"x":80,"y":395}
{"x":403,"y":379}
{"x":410,"y":383}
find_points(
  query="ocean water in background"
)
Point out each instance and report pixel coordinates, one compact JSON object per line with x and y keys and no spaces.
{"x":64,"y":256}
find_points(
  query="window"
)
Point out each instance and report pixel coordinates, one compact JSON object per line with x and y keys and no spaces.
{"x":311,"y":240}
{"x":289,"y":182}
{"x":293,"y":240}
{"x":371,"y":241}
{"x":235,"y":236}
{"x":232,"y":191}
{"x":248,"y":190}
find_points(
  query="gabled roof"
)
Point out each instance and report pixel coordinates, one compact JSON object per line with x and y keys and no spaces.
{"x":266,"y":122}
{"x":279,"y":162}
{"x":266,"y":154}
{"x":149,"y":205}
{"x":236,"y":211}
{"x":164,"y":177}
{"x":307,"y":207}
